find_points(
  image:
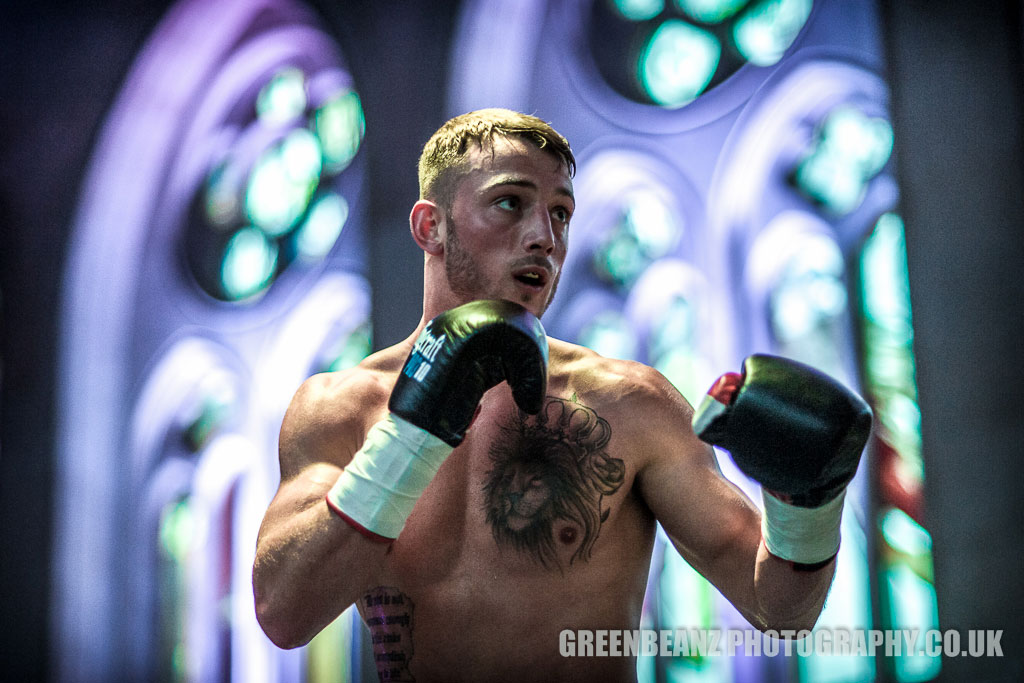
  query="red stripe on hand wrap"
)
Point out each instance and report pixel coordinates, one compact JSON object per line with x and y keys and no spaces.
{"x":356,"y":525}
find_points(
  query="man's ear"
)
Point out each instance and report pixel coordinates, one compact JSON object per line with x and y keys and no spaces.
{"x":427,"y":224}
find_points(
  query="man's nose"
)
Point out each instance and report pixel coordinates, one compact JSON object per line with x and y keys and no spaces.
{"x":540,"y":235}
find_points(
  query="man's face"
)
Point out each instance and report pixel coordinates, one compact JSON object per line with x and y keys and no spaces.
{"x":507,"y":229}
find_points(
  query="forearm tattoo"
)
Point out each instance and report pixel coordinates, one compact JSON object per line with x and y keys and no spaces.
{"x":549,"y":475}
{"x":388,"y":614}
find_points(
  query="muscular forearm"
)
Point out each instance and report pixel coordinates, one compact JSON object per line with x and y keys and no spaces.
{"x":788,"y":597}
{"x":308,"y":569}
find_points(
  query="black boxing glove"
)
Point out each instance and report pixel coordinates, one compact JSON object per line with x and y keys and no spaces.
{"x":800,"y":434}
{"x":459,"y":355}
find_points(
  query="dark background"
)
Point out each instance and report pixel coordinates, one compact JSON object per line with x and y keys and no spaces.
{"x":957,"y":76}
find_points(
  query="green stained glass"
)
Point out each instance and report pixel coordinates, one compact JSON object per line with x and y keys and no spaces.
{"x":766,"y":30}
{"x":351,"y":350}
{"x":851,"y":148}
{"x":912,"y":605}
{"x":808,"y":303}
{"x":908,"y":597}
{"x":283,"y":98}
{"x":678,"y":63}
{"x":610,"y":335}
{"x":672,"y":347}
{"x":340,"y":127}
{"x":214,"y":406}
{"x":283,"y":181}
{"x":811,"y":293}
{"x":686,"y":597}
{"x":222,"y":201}
{"x":888,"y":329}
{"x":647,"y":229}
{"x":887,"y":299}
{"x":905,"y":535}
{"x":676,"y":328}
{"x":177,"y":532}
{"x":710,"y":11}
{"x":248,"y":264}
{"x":639,"y":10}
{"x":620,"y":260}
{"x":322,"y":227}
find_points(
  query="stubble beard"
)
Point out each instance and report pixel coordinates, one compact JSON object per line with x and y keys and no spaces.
{"x":464,"y":276}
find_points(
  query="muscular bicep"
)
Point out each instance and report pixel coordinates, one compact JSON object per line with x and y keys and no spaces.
{"x":707,"y":517}
{"x":326,"y":422}
{"x":309,"y":564}
{"x":322,"y":429}
{"x":311,"y":457}
{"x":301,"y":491}
{"x":710,"y":521}
{"x":712,"y":524}
{"x":296,"y":512}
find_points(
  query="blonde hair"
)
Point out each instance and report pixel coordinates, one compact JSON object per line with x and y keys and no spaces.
{"x":441,"y":163}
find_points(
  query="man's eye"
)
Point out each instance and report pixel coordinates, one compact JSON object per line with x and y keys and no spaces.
{"x":508,"y":203}
{"x":561,"y":215}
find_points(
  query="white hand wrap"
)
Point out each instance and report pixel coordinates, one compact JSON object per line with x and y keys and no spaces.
{"x":799,"y":534}
{"x":386,"y":477}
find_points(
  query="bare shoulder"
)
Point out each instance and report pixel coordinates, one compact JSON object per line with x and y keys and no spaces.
{"x":617,"y":386}
{"x":331,"y":412}
{"x":642,"y":405}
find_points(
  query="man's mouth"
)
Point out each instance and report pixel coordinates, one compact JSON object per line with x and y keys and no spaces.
{"x":532,"y":277}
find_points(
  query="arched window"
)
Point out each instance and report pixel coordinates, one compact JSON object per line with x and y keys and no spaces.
{"x":218,"y":259}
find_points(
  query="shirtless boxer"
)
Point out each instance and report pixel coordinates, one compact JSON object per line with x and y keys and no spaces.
{"x":479,"y":487}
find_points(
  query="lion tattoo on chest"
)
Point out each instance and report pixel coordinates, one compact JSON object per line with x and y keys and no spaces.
{"x":548,"y":478}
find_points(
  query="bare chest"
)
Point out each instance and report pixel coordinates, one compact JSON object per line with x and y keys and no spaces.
{"x":525,"y":495}
{"x":530,"y":526}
